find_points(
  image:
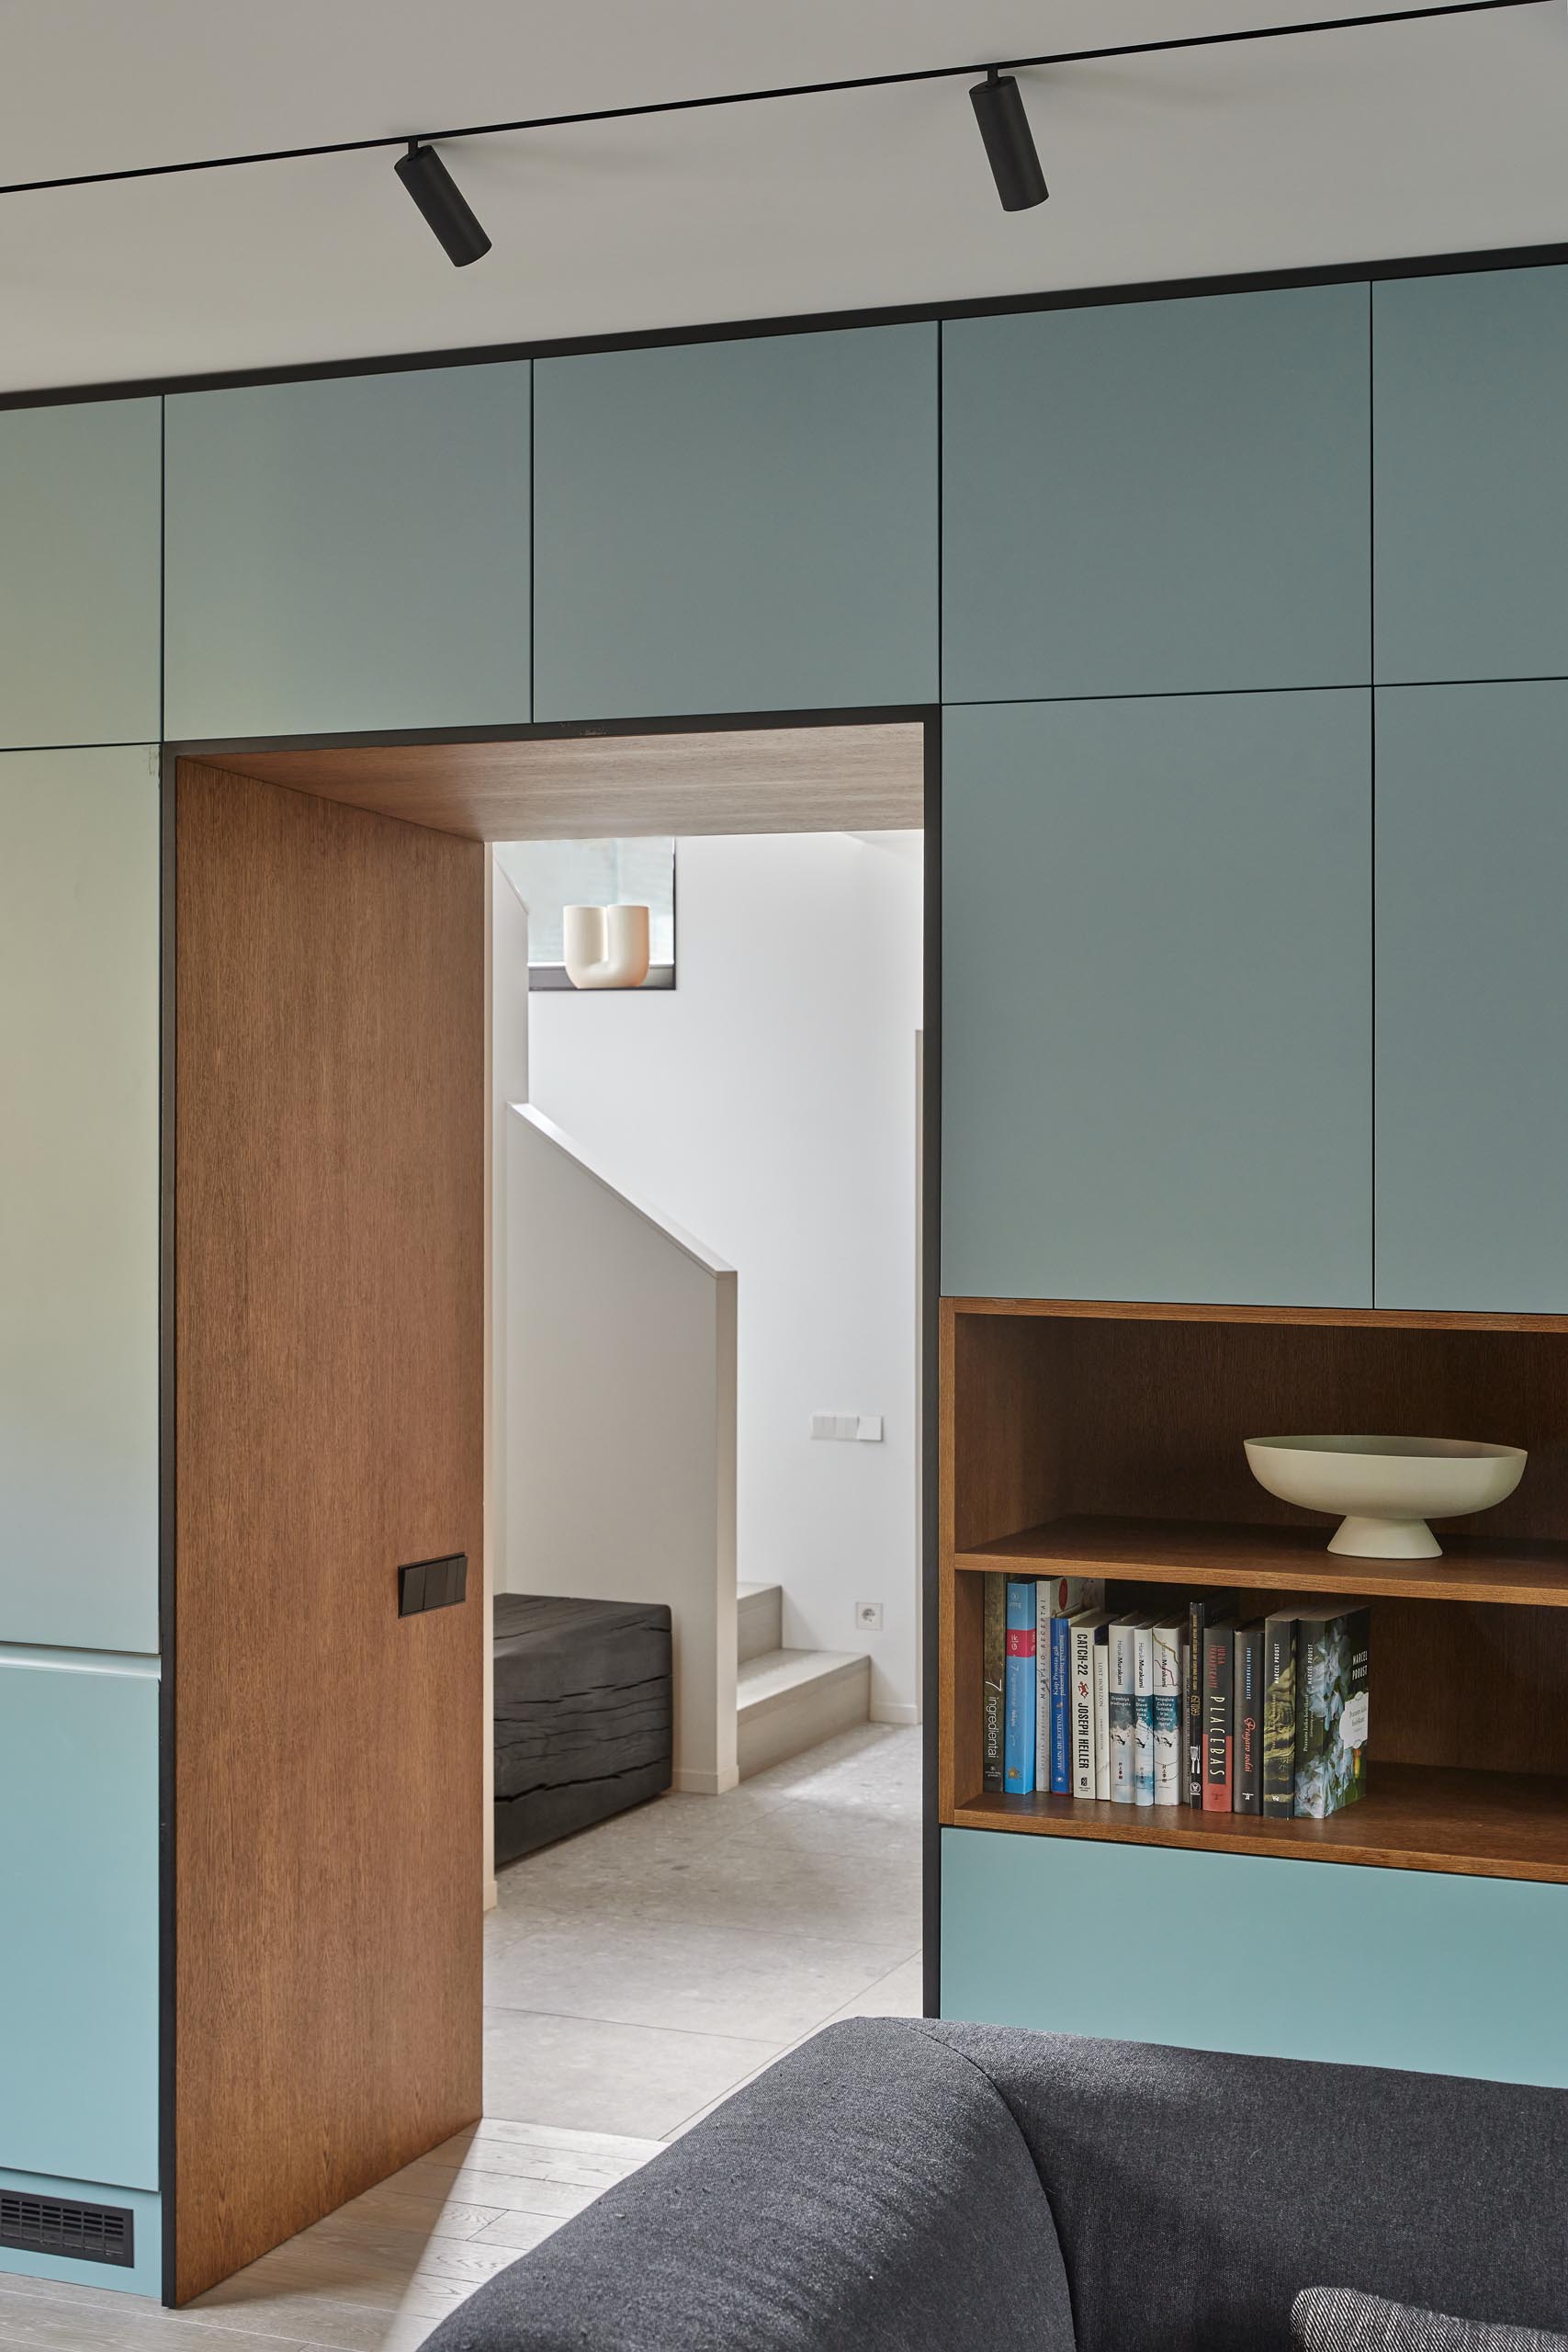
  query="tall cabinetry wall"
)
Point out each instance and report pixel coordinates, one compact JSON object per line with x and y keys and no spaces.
{"x":1248,"y":617}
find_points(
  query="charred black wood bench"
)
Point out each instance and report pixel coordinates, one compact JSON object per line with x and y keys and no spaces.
{"x":582,"y":1714}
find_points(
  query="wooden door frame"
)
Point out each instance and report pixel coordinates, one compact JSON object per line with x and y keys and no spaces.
{"x":232,"y":752}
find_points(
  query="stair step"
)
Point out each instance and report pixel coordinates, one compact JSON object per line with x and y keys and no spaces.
{"x":787,"y":1700}
{"x":759,"y":1619}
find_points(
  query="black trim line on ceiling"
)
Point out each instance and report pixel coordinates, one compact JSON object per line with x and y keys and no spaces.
{"x":972,"y":306}
{"x":783,"y":90}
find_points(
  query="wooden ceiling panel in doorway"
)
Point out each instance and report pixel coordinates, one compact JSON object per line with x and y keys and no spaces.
{"x":825,"y":779}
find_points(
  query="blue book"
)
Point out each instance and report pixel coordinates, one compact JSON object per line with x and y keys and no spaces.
{"x":1017,"y":1759}
{"x":1061,"y":1707}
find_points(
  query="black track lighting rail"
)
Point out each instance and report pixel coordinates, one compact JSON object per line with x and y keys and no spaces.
{"x":783,"y":90}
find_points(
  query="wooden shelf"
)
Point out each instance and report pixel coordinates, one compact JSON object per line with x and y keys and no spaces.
{"x":1174,"y":1551}
{"x":1488,"y":1825}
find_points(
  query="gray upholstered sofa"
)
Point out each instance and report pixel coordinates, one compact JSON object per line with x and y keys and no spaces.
{"x":904,"y":2186}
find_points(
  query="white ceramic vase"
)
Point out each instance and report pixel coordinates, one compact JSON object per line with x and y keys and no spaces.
{"x":605,"y":947}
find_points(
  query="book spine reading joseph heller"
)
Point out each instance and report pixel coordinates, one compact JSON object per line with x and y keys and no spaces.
{"x":1103,"y":1711}
{"x":1088,"y":1633}
{"x":1019,"y":1755}
{"x":1167,"y":1642}
{"x":993,"y":1714}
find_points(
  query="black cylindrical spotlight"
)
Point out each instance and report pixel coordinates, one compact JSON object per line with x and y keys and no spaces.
{"x":444,"y":205}
{"x":1009,"y":144}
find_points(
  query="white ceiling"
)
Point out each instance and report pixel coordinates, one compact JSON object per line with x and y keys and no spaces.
{"x":1428,"y":138}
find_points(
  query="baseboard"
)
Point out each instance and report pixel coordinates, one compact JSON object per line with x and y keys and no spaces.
{"x":895,"y":1711}
{"x":704,"y":1784}
{"x":491,"y":1895}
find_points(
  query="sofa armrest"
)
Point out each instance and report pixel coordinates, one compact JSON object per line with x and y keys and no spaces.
{"x":870,"y":2193}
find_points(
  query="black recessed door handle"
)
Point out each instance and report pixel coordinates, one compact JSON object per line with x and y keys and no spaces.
{"x":432,"y":1584}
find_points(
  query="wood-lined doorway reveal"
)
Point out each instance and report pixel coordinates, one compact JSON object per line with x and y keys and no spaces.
{"x":324,"y":1359}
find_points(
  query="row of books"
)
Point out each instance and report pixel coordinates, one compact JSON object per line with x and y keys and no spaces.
{"x":1182,"y":1705}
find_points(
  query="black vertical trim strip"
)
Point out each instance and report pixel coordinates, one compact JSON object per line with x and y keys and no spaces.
{"x":168,"y":2006}
{"x":931,"y":1272}
{"x":930,"y":1319}
{"x":163,"y":567}
{"x":1372,"y":735}
{"x":941,"y":514}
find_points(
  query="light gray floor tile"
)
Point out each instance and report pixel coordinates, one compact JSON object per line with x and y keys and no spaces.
{"x":632,"y":2078}
{"x":761,"y":1986}
{"x":899,"y":1994}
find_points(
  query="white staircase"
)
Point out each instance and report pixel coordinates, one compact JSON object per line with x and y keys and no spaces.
{"x":788,"y":1699}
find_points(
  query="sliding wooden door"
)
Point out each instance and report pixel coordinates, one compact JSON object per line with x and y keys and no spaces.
{"x":329,"y":1192}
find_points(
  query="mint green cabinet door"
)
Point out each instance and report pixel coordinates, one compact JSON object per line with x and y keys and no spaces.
{"x":80,"y":574}
{"x":748,"y":525}
{"x":79,"y":1200}
{"x":1157,"y":999}
{"x":1472,"y":997}
{"x":1470,"y":393}
{"x":79,"y":1954}
{"x":350,"y":554}
{"x":1422,"y":1969}
{"x":1157,"y":497}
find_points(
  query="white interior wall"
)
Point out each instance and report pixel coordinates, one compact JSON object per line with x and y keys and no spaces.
{"x":767,"y":1103}
{"x":621,"y":1420}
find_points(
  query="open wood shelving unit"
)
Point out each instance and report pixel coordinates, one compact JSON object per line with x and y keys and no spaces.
{"x":1104,"y":1438}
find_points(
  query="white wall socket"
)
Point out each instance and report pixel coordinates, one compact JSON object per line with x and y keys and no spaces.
{"x":868,"y":1616}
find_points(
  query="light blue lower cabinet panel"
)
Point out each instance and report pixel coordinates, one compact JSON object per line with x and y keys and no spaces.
{"x":1157,"y":999}
{"x":1421,"y":1969}
{"x":1472,"y":997}
{"x":144,"y":2275}
{"x":79,"y":1900}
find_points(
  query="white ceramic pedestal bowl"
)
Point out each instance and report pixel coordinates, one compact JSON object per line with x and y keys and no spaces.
{"x":1388,"y":1487}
